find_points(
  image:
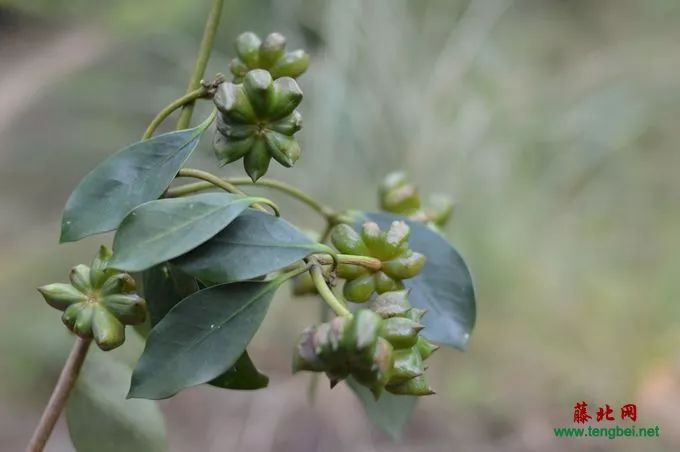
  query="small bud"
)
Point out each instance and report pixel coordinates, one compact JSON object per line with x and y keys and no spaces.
{"x":99,"y":271}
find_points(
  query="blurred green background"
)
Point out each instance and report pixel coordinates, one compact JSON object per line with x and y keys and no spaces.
{"x":554,"y":123}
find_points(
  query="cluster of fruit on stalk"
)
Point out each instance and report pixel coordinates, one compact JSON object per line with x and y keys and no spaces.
{"x":379,"y":345}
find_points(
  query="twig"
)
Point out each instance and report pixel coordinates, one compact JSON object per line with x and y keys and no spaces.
{"x":57,"y":401}
{"x":207,"y":41}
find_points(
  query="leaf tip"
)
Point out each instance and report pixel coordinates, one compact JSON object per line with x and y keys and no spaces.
{"x":65,"y":236}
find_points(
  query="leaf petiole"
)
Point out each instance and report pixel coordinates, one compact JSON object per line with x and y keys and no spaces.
{"x":174,"y":105}
{"x":326,"y":293}
{"x":218,"y":182}
{"x":207,"y":42}
{"x":326,"y":212}
{"x":364,"y":261}
{"x":285,"y":276}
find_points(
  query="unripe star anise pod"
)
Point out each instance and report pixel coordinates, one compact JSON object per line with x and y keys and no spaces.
{"x":98,"y":302}
{"x":398,"y":195}
{"x":269,"y":54}
{"x":399,"y":324}
{"x":257,"y":120}
{"x":399,"y":262}
{"x":381,"y":349}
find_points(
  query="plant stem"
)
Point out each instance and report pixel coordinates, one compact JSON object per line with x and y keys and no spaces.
{"x":211,"y":181}
{"x":188,"y":189}
{"x":223,"y":184}
{"x":167,"y":111}
{"x":270,"y":183}
{"x":292,"y":273}
{"x":289,"y":190}
{"x":326,"y":293}
{"x":364,"y":261}
{"x":207,"y":41}
{"x":57,"y":401}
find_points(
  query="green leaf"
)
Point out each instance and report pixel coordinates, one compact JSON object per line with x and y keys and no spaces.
{"x":160,"y":230}
{"x":390,"y":412}
{"x":134,"y":175}
{"x":254,"y":244}
{"x":99,"y":417}
{"x":444,"y":287}
{"x":242,"y":375}
{"x":165,"y":285}
{"x":201,"y":337}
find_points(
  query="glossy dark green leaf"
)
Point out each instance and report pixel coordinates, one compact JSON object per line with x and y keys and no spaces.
{"x":444,"y":287}
{"x":160,"y":230}
{"x":254,"y":244}
{"x":101,"y":419}
{"x":200,"y":338}
{"x":242,"y":375}
{"x":165,"y":285}
{"x":390,"y":412}
{"x":134,"y":175}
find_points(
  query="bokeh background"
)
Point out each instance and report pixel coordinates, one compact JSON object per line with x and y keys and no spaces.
{"x":554,"y":123}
